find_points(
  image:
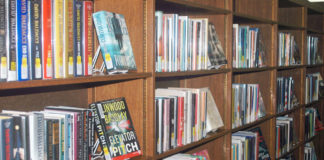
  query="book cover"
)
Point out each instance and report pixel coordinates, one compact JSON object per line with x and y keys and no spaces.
{"x":57,"y":39}
{"x":119,"y":137}
{"x":114,"y":41}
{"x":3,"y":46}
{"x":35,"y":43}
{"x":36,"y":135}
{"x":77,"y":37}
{"x":47,"y":39}
{"x":87,"y":37}
{"x":263,"y":153}
{"x":11,"y":40}
{"x":216,"y":55}
{"x":22,"y":41}
{"x":6,"y":132}
{"x":68,"y":47}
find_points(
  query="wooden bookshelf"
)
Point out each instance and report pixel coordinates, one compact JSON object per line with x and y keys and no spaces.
{"x":272,"y":16}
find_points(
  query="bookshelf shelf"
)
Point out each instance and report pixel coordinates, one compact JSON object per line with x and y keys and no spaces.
{"x":314,"y":66}
{"x":295,"y":148}
{"x":210,"y":137}
{"x":280,"y":68}
{"x":86,"y":81}
{"x":252,"y":124}
{"x":180,"y":6}
{"x":245,"y":18}
{"x":290,"y":3}
{"x":286,"y":26}
{"x":289,"y":111}
{"x":314,"y":31}
{"x":251,"y":70}
{"x":190,"y":73}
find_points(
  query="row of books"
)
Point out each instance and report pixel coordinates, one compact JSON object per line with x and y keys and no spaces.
{"x":65,"y":133}
{"x":309,"y":151}
{"x":310,"y":122}
{"x":286,"y":98}
{"x":248,"y":50}
{"x":186,"y":44}
{"x":313,"y":55}
{"x":312,"y":87}
{"x":183,"y":116}
{"x":247,"y":104}
{"x":35,"y":44}
{"x":249,"y":145}
{"x":201,"y":155}
{"x":288,"y":53}
{"x":285,"y":135}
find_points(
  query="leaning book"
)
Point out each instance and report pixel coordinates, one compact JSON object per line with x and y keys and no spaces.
{"x":115,"y":45}
{"x":115,"y":129}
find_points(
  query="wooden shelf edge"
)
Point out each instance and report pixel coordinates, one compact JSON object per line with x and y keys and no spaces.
{"x":289,"y":111}
{"x":314,"y":65}
{"x":247,"y":70}
{"x":289,"y":67}
{"x":314,"y":31}
{"x":288,"y":26}
{"x":209,"y":138}
{"x":209,"y":9}
{"x":253,"y":18}
{"x":312,"y":103}
{"x":259,"y":121}
{"x":71,"y":81}
{"x":190,"y":73}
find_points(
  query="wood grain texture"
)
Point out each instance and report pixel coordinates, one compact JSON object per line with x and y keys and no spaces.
{"x":291,"y":16}
{"x":262,"y":9}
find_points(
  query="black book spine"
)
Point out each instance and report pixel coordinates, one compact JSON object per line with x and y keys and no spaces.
{"x":171,"y":123}
{"x":11,"y":38}
{"x":35,"y":39}
{"x":49,"y":136}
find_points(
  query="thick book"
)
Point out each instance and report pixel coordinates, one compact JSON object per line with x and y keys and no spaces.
{"x":114,"y":40}
{"x":22,"y":60}
{"x":35,"y":42}
{"x":115,"y":129}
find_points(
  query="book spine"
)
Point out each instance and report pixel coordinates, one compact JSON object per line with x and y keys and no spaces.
{"x":3,"y":47}
{"x":57,"y":37}
{"x":35,"y":39}
{"x":68,"y":39}
{"x":100,"y":132}
{"x":11,"y":40}
{"x":87,"y":37}
{"x":85,"y":135}
{"x":17,"y":138}
{"x":7,"y":132}
{"x":47,"y":39}
{"x":40,"y":136}
{"x":49,"y":140}
{"x":56,"y":140}
{"x":22,"y":41}
{"x":77,"y":29}
{"x":80,"y":132}
{"x":90,"y":133}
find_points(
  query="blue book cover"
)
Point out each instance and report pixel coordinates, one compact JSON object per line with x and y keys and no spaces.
{"x":114,"y":41}
{"x":22,"y":41}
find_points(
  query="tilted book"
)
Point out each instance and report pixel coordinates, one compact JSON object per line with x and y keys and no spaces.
{"x":114,"y":42}
{"x":115,"y":129}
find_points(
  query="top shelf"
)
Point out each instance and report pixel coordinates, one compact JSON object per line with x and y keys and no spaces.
{"x":290,"y":3}
{"x":244,"y":18}
{"x":186,"y":7}
{"x":90,"y":80}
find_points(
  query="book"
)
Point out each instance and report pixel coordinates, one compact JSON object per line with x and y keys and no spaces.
{"x":22,"y":60}
{"x":3,"y":43}
{"x":114,"y":42}
{"x":47,"y":51}
{"x":11,"y":40}
{"x":57,"y":39}
{"x":68,"y":46}
{"x":115,"y":129}
{"x":263,"y":153}
{"x":6,"y":132}
{"x":77,"y":37}
{"x":216,"y":57}
{"x":87,"y":37}
{"x":35,"y":42}
{"x":36,"y":135}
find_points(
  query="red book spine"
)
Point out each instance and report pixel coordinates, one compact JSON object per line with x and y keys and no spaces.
{"x":180,"y":120}
{"x":8,"y":146}
{"x":87,"y":37}
{"x":47,"y":40}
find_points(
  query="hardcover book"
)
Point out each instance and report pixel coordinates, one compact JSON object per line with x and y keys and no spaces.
{"x":57,"y":32}
{"x":115,"y":129}
{"x":11,"y":40}
{"x":35,"y":43}
{"x":3,"y":46}
{"x":77,"y":38}
{"x":68,"y":48}
{"x":47,"y":39}
{"x":114,"y":42}
{"x":87,"y":37}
